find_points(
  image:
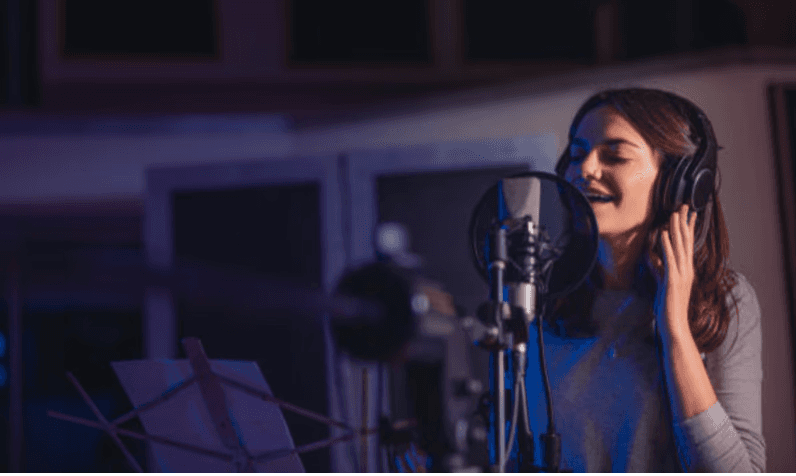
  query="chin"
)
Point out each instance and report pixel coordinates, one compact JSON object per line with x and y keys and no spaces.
{"x":624,"y":231}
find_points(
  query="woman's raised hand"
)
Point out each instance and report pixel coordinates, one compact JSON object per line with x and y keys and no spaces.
{"x":674,"y":287}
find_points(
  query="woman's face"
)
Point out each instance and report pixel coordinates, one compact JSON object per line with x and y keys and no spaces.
{"x":610,"y":158}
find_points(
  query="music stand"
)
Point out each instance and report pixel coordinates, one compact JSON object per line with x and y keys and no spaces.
{"x":206,"y":416}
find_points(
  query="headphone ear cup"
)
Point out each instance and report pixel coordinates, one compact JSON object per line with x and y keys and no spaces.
{"x":661,"y":196}
{"x":701,"y":189}
{"x":679,"y":187}
{"x":703,"y":218}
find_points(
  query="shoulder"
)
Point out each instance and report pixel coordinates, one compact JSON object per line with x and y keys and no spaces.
{"x":743,"y":339}
{"x":743,"y":288}
{"x":742,"y":303}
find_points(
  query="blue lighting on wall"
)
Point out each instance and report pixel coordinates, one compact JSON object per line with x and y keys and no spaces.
{"x":2,"y":345}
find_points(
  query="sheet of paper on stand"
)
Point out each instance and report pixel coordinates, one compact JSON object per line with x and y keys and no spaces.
{"x":259,"y":425}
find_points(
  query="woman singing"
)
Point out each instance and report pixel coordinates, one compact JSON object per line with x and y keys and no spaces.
{"x":625,"y":400}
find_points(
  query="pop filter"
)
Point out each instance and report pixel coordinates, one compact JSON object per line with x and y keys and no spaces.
{"x":563,"y":217}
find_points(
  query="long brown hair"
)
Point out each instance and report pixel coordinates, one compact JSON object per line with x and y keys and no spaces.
{"x":666,"y":122}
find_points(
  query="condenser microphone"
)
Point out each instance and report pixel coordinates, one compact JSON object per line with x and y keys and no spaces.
{"x":522,"y":201}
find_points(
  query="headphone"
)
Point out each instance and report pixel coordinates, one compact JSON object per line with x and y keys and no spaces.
{"x":690,"y":179}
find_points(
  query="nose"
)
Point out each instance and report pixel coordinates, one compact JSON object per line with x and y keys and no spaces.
{"x":590,"y":167}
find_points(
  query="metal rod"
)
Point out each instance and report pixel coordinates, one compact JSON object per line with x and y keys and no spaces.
{"x":498,"y":266}
{"x":329,"y":442}
{"x":141,"y":436}
{"x":500,"y":375}
{"x":111,"y":430}
{"x":146,"y":406}
{"x":283,"y":404}
{"x":262,"y":458}
{"x":274,"y":455}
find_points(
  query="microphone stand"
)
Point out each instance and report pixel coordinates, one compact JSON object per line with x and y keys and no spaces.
{"x":520,"y":314}
{"x":516,"y":243}
{"x":497,"y":271}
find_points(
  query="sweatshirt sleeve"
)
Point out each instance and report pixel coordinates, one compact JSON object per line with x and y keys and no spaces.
{"x":728,"y":436}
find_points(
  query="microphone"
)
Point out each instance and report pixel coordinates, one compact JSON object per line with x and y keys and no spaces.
{"x":522,"y":200}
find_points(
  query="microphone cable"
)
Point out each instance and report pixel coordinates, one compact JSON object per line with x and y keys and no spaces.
{"x":551,"y":441}
{"x":516,"y":407}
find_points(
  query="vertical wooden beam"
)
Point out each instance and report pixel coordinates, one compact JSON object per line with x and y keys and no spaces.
{"x":683,"y":24}
{"x":768,"y":23}
{"x":786,"y":192}
{"x":608,"y":37}
{"x":446,"y":27}
{"x":14,"y":41}
{"x":160,"y":319}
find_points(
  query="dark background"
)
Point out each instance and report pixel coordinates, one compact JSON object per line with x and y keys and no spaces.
{"x":495,"y":41}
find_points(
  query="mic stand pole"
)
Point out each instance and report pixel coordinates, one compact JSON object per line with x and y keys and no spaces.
{"x":497,"y":269}
{"x":500,"y":422}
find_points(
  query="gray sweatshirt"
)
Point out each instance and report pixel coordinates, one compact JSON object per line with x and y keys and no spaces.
{"x":610,"y":404}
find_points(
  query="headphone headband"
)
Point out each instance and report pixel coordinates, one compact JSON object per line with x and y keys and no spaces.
{"x":689,"y":179}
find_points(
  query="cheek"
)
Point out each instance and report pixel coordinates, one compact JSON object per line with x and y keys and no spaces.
{"x":643,"y":182}
{"x":638,"y":190}
{"x":644,"y":177}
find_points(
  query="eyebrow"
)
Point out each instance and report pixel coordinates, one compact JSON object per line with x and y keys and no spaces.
{"x":583,"y":142}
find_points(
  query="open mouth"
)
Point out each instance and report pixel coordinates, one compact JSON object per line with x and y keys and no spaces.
{"x":599,"y":198}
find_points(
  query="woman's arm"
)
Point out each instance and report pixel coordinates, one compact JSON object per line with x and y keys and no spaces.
{"x":728,"y":436}
{"x":686,"y":377}
{"x":716,"y":414}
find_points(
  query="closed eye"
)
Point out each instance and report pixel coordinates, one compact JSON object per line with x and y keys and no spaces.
{"x":611,"y":159}
{"x":615,"y":160}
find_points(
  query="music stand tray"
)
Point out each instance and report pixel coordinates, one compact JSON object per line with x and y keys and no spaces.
{"x":206,"y":416}
{"x":258,"y":426}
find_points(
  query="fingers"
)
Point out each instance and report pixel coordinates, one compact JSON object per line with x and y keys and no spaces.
{"x":678,"y":240}
{"x":692,"y":218}
{"x":687,"y":228}
{"x":676,"y":233}
{"x":668,"y":253}
{"x":686,"y":239}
